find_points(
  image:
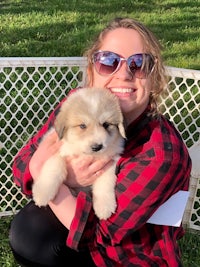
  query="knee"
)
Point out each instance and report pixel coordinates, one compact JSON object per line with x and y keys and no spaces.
{"x":35,"y":234}
{"x":24,"y":229}
{"x":18,"y":234}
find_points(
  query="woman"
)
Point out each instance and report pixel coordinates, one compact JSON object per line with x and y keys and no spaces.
{"x":126,"y":60}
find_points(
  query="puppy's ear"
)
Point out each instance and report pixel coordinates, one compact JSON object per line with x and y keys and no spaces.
{"x":60,"y":124}
{"x":122,"y":130}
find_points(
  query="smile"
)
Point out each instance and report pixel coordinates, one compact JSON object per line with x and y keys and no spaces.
{"x":122,"y":90}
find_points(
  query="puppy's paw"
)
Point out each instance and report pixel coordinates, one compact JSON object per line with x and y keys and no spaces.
{"x":51,"y":177}
{"x":42,"y":195}
{"x":104,"y":206}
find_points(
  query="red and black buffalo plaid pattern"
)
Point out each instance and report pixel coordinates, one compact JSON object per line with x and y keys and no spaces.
{"x":154,"y":166}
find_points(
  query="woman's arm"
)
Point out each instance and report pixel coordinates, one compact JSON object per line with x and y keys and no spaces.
{"x":64,"y":206}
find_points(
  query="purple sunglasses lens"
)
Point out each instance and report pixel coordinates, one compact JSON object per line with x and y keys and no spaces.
{"x":141,"y":65}
{"x":106,"y":62}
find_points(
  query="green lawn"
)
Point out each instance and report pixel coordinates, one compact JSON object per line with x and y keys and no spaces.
{"x":189,"y":245}
{"x":66,"y":27}
{"x":49,"y":28}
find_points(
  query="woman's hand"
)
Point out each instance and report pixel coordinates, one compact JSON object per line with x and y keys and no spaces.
{"x":84,"y":170}
{"x":48,"y":147}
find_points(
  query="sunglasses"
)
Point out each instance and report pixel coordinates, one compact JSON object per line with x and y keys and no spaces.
{"x":107,"y":63}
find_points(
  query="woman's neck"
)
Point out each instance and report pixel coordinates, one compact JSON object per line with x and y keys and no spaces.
{"x":132,"y":116}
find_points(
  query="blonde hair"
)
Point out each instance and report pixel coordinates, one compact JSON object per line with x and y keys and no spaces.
{"x":151,"y":46}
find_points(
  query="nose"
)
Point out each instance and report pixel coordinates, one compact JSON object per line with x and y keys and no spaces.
{"x":123,"y":71}
{"x":96,"y":147}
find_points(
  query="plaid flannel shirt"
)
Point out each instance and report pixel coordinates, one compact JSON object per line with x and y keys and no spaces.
{"x":154,"y":166}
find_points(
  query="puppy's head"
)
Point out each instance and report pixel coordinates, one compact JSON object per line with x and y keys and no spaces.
{"x":91,"y":118}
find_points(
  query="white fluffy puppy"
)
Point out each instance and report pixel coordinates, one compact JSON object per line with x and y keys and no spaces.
{"x":90,"y":122}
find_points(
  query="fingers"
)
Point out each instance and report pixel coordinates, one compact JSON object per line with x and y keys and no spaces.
{"x":97,"y":174}
{"x":100,"y":166}
{"x":95,"y":168}
{"x":105,"y":166}
{"x":84,"y":170}
{"x":90,"y":164}
{"x":81,"y":162}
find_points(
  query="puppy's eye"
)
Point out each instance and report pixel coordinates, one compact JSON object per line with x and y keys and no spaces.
{"x":83,"y":126}
{"x":106,"y":125}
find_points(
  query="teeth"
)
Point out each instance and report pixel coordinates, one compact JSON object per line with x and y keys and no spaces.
{"x":121,"y":90}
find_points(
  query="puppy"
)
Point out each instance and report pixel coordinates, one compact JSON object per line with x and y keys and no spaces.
{"x":90,"y":122}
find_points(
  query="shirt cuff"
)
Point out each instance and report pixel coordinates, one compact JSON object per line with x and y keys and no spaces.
{"x":78,"y":225}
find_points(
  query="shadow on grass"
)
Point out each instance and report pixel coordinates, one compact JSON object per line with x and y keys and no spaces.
{"x":65,"y":27}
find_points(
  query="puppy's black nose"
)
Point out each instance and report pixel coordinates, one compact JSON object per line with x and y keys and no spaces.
{"x":96,"y":147}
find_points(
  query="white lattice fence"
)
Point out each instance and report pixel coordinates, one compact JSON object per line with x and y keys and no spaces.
{"x":31,"y":87}
{"x":181,"y":104}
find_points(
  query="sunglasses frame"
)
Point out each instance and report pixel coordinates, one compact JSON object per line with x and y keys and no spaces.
{"x":144,"y":76}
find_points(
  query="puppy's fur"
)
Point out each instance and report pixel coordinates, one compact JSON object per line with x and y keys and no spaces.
{"x":90,"y":122}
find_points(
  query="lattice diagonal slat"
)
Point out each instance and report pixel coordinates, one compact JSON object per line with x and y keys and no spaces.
{"x":31,"y":87}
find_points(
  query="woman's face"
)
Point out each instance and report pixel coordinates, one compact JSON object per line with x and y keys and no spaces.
{"x":133,"y":93}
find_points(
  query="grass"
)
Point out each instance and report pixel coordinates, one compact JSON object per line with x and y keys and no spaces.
{"x":6,"y":257}
{"x":66,"y":27}
{"x":189,"y":245}
{"x":190,"y":249}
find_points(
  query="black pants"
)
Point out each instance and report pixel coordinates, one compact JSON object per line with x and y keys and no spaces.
{"x":38,"y":239}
